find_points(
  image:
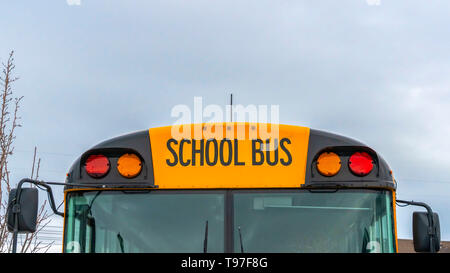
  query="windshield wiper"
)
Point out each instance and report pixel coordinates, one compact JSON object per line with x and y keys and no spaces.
{"x":119,"y":237}
{"x":205,"y":241}
{"x":89,"y":210}
{"x":240,"y":239}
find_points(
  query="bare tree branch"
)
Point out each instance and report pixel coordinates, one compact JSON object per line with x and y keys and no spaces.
{"x":9,"y":122}
{"x":34,"y":161}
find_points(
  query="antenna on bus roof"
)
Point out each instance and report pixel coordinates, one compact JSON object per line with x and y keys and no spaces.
{"x":231,"y":107}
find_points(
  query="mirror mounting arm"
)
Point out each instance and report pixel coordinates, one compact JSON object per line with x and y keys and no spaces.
{"x":47,"y":188}
{"x":431,"y":227}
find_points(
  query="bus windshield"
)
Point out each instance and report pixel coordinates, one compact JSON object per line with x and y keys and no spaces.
{"x":198,"y":221}
{"x":305,"y":221}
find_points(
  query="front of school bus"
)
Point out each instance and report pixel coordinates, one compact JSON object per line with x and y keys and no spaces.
{"x":302,"y":191}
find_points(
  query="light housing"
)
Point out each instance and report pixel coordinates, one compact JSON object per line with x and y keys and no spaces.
{"x":360,"y":163}
{"x":97,"y":165}
{"x":328,"y":164}
{"x":129,"y":165}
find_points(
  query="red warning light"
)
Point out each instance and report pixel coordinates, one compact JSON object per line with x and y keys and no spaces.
{"x":97,"y":166}
{"x":360,"y":163}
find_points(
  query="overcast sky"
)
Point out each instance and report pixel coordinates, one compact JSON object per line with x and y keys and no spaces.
{"x":377,"y":73}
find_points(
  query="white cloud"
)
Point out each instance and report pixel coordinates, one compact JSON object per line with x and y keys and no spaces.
{"x":73,"y":2}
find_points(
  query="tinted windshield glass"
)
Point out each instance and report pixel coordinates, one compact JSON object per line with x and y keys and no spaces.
{"x":114,"y":221}
{"x":342,"y":221}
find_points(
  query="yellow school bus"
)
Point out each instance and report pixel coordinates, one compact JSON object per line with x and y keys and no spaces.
{"x":231,"y":187}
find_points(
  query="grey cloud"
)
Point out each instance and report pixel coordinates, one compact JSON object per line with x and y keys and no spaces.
{"x":375,"y":73}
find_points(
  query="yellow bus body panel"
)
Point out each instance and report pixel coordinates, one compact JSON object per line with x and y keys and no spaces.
{"x":219,"y":175}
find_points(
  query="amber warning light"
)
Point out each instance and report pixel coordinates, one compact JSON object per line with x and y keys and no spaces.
{"x":328,"y":164}
{"x":129,"y":165}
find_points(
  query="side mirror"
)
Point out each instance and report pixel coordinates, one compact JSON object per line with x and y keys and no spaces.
{"x":426,"y":236}
{"x":25,"y":207}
